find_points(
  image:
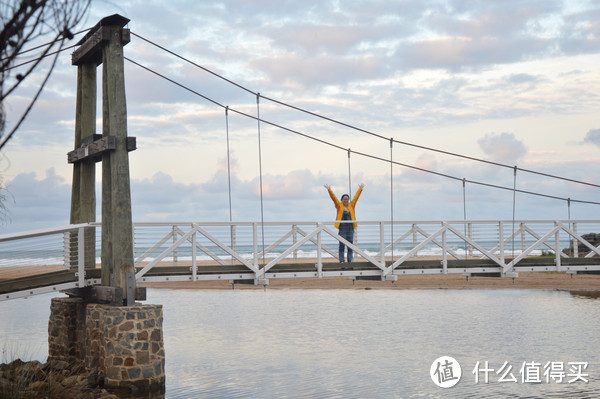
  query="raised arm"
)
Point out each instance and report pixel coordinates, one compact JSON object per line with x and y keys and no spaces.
{"x":358,"y":192}
{"x":332,"y":195}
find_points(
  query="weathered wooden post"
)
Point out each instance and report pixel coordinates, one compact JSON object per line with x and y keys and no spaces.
{"x":102,"y":327}
{"x":117,"y":226}
{"x":83,"y":192}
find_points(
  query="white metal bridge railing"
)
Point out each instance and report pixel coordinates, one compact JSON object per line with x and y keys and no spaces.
{"x":387,"y":246}
{"x":38,"y":251}
{"x":259,"y":251}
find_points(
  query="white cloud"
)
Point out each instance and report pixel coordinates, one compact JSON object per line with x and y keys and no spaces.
{"x":438,"y":74}
{"x":38,"y":202}
{"x":504,"y":147}
{"x":593,"y":137}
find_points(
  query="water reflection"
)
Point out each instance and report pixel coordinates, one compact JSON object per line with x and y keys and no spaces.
{"x":355,"y":343}
{"x":378,"y":343}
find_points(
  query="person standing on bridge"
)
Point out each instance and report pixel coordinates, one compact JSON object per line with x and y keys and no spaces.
{"x":345,"y":211}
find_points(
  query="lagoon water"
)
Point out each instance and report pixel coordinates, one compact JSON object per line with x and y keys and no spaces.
{"x":350,"y":343}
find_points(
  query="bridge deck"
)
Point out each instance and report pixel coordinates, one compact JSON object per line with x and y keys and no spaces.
{"x":292,"y":270}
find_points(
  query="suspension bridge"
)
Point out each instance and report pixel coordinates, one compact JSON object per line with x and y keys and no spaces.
{"x":102,"y":266}
{"x":232,"y":251}
{"x":256,"y":252}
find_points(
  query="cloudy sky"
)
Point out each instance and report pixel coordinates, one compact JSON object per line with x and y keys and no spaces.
{"x":513,"y":82}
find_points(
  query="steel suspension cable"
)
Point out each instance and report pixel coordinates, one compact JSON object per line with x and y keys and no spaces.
{"x":262,"y":218}
{"x":391,"y":197}
{"x":572,"y":242}
{"x":349,"y":175}
{"x":464,"y":190}
{"x":50,"y":43}
{"x":360,"y":129}
{"x":195,"y":64}
{"x":498,"y":164}
{"x":228,"y":161}
{"x":40,"y":57}
{"x":353,"y":151}
{"x":513,"y":212}
{"x":425,"y":147}
{"x":232,"y":227}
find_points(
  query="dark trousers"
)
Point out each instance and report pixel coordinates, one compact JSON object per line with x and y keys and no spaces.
{"x":348,"y":234}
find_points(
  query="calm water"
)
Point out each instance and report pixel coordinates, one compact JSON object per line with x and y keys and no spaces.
{"x":353,"y":343}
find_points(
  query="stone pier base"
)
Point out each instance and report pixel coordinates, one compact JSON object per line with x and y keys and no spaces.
{"x":123,"y":344}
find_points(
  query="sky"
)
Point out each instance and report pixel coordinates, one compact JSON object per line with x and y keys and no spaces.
{"x":512,"y":82}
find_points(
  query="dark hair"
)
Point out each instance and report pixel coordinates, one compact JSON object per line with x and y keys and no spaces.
{"x":345,"y":195}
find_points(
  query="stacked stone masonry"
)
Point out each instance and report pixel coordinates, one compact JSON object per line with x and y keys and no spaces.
{"x":122,"y":343}
{"x":66,"y":330}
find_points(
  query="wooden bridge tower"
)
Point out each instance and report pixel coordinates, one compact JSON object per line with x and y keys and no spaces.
{"x":103,"y":44}
{"x":131,"y":357}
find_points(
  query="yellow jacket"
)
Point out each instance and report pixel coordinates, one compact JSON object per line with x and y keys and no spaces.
{"x":340,"y":207}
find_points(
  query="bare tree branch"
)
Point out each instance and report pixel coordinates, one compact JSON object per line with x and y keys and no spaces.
{"x":23,"y":23}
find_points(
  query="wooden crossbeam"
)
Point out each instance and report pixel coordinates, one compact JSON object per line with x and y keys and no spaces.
{"x":90,"y":49}
{"x":95,"y":149}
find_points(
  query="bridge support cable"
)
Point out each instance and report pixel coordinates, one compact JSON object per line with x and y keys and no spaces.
{"x":349,"y":175}
{"x":464,"y":192}
{"x":573,"y":250}
{"x":232,"y":227}
{"x":513,"y":210}
{"x":228,"y":160}
{"x":262,"y":217}
{"x":391,"y":197}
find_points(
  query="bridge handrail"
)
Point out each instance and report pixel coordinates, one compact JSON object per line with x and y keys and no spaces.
{"x":80,"y":243}
{"x":44,"y":232}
